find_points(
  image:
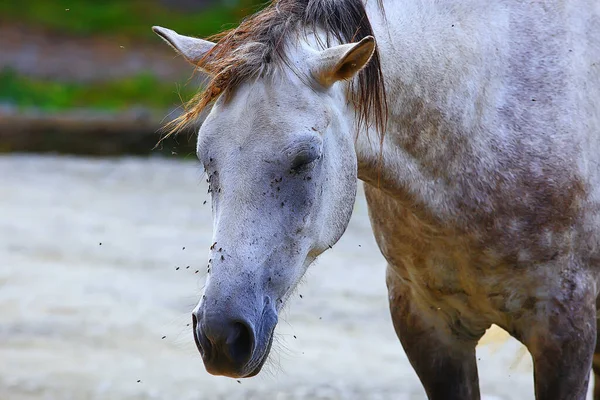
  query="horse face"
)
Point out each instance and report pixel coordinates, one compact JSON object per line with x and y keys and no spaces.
{"x":282,"y":173}
{"x":280,"y":159}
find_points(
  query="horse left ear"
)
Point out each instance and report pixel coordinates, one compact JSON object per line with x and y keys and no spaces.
{"x":343,"y":61}
{"x":191,"y":48}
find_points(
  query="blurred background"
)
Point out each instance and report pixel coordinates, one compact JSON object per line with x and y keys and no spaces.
{"x":103,"y":238}
{"x":91,"y":77}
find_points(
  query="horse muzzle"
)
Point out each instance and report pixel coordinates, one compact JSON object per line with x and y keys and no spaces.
{"x":231,"y":343}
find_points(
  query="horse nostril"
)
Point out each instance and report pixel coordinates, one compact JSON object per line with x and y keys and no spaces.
{"x":201,"y":348}
{"x":240,"y":342}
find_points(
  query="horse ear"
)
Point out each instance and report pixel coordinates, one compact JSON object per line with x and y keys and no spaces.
{"x":192,"y":49}
{"x":343,"y":61}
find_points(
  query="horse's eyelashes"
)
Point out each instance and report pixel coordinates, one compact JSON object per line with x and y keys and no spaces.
{"x":304,"y":161}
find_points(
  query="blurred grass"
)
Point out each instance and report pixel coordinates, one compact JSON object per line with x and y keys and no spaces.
{"x":132,"y":18}
{"x":143,"y":89}
{"x":129,"y":20}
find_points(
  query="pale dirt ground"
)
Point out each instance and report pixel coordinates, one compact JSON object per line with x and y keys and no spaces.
{"x":80,"y":320}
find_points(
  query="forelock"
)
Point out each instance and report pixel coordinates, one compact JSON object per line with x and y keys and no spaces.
{"x":256,"y":48}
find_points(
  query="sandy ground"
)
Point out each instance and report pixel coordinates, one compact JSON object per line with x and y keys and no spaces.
{"x":89,"y":288}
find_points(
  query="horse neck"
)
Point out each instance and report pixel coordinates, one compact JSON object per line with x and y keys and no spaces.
{"x":439,"y":94}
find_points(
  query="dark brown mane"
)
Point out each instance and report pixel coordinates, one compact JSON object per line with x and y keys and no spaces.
{"x":257,"y":44}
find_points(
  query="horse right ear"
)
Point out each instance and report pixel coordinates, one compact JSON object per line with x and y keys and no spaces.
{"x":192,"y":49}
{"x":342,"y":62}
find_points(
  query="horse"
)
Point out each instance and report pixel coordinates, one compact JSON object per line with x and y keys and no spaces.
{"x":475,"y":129}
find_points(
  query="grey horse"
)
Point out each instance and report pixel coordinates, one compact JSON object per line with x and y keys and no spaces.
{"x":475,"y":126}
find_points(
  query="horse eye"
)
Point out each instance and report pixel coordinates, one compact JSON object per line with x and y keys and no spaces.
{"x":304,"y":160}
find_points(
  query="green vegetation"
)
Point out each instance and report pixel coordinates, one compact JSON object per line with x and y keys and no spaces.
{"x":132,"y":18}
{"x":127,"y":20}
{"x":142,"y":89}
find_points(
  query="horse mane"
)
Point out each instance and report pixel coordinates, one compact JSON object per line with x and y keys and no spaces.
{"x":256,"y":47}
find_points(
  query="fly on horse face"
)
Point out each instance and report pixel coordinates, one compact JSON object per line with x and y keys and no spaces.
{"x":475,"y":127}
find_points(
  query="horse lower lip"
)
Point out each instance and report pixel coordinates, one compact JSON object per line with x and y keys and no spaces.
{"x":262,"y":359}
{"x":256,"y":367}
{"x":255,"y":371}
